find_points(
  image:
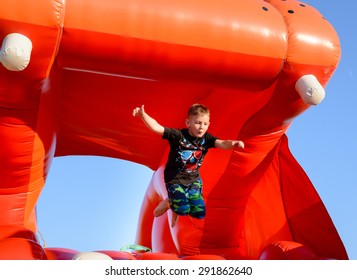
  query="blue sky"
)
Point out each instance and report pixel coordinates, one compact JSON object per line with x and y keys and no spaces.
{"x":92,"y":203}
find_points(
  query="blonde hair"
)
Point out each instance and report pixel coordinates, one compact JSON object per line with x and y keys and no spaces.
{"x":198,"y":109}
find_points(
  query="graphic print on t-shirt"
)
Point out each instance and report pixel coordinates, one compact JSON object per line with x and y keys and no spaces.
{"x":186,"y":155}
{"x":190,"y":156}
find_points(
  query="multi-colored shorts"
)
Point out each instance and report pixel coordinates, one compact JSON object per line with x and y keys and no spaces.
{"x":186,"y":199}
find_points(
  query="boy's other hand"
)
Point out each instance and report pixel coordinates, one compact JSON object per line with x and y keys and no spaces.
{"x":239,"y":144}
{"x":138,"y":111}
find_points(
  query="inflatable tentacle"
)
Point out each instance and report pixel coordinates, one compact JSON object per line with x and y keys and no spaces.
{"x":27,"y":124}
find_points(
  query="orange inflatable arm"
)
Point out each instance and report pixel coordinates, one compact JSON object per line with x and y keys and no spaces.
{"x":74,"y":70}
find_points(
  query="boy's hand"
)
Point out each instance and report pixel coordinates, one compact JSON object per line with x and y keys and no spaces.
{"x":148,"y":121}
{"x":239,"y":144}
{"x":139,"y":111}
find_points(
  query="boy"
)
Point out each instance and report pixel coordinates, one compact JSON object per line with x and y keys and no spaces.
{"x":187,"y":149}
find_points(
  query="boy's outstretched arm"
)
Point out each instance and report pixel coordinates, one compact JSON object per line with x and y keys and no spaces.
{"x":228,"y":144}
{"x":149,"y":121}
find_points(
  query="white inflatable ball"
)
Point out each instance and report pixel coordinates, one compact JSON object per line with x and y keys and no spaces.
{"x":91,"y":256}
{"x":15,"y":52}
{"x":310,"y":90}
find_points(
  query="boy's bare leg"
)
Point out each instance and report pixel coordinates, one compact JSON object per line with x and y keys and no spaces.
{"x":174,"y":219}
{"x":162,"y":207}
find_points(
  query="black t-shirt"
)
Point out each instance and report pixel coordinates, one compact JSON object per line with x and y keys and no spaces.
{"x":186,"y":155}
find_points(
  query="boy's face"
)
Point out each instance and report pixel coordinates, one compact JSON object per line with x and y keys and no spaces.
{"x":197,"y":125}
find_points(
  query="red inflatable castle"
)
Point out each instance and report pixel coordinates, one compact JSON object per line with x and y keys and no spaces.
{"x":72,"y":71}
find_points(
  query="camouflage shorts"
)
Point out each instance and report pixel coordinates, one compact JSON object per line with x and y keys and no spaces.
{"x":186,"y":199}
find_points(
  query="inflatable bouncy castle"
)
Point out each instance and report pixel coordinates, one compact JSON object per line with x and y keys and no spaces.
{"x":72,"y":71}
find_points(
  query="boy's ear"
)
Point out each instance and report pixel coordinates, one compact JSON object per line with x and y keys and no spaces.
{"x":187,"y":122}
